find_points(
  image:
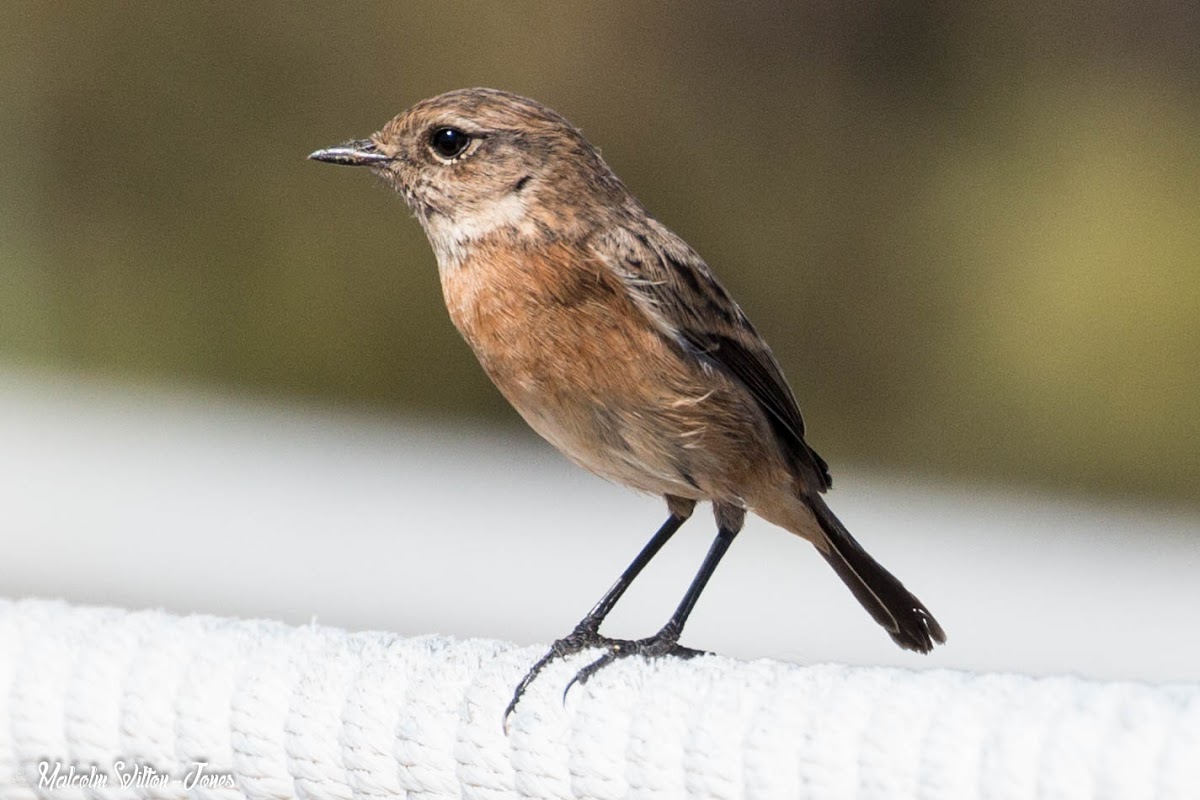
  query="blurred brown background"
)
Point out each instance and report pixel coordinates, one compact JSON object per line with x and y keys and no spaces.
{"x":970,"y":231}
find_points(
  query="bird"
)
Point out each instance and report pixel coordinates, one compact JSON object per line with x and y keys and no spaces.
{"x":616,"y":343}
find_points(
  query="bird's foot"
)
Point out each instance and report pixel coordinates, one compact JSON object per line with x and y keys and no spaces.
{"x":586,"y":637}
{"x":663,"y":643}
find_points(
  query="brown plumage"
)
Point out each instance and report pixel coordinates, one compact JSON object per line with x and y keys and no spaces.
{"x":615,"y":342}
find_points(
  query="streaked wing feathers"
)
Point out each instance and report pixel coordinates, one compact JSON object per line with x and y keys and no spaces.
{"x":681,"y":296}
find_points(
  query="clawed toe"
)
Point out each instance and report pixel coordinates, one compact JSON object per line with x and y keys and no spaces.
{"x":584,"y":637}
{"x":679,"y":651}
{"x":664,"y":643}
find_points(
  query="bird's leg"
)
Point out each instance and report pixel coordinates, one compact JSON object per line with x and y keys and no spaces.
{"x":666,"y":641}
{"x":587,"y":632}
{"x":680,"y":511}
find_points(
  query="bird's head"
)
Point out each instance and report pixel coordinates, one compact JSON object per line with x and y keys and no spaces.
{"x":474,"y":162}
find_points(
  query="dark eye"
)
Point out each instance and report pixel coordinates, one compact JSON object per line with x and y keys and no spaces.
{"x":449,"y":142}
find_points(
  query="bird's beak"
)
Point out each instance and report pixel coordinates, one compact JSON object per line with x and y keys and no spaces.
{"x":360,"y":153}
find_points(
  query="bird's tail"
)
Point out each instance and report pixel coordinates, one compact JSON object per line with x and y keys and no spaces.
{"x":901,"y":614}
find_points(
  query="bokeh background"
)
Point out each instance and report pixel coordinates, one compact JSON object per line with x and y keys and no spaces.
{"x":971,"y":231}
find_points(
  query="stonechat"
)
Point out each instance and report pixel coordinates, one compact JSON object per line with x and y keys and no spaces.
{"x":616,"y":343}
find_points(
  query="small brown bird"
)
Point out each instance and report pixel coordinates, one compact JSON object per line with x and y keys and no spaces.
{"x":615,"y":342}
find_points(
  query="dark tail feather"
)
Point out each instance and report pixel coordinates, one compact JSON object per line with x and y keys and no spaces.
{"x":903,"y":616}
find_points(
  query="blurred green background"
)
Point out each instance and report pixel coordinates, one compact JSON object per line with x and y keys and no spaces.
{"x":971,"y":231}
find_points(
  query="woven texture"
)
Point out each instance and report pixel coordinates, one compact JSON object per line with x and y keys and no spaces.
{"x":282,"y":712}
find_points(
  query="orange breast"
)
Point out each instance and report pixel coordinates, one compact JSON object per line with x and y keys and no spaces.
{"x":562,"y":340}
{"x":554,"y":327}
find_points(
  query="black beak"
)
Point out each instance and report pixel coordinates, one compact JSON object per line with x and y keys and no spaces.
{"x":360,"y":153}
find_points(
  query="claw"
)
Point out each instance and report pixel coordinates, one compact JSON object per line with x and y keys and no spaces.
{"x":663,"y":643}
{"x":585,"y":637}
{"x":591,"y":669}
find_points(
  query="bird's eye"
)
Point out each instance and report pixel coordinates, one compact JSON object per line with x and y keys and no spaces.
{"x":449,"y":142}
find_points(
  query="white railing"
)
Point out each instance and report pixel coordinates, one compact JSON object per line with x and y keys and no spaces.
{"x":91,"y":698}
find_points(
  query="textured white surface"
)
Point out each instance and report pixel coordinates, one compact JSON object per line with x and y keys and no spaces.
{"x":314,"y":712}
{"x":148,"y":498}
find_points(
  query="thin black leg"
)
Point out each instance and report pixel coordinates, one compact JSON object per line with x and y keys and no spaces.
{"x":602,"y":608}
{"x":587,"y":632}
{"x":665,"y":642}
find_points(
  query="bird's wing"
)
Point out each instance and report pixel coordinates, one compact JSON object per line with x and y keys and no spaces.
{"x":678,"y":292}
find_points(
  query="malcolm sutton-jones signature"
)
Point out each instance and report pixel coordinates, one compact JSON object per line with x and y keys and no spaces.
{"x":54,"y":775}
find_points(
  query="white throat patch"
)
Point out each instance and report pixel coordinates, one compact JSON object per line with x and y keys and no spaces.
{"x":451,"y":236}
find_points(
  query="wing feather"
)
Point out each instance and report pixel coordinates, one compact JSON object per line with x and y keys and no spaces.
{"x":681,"y":296}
